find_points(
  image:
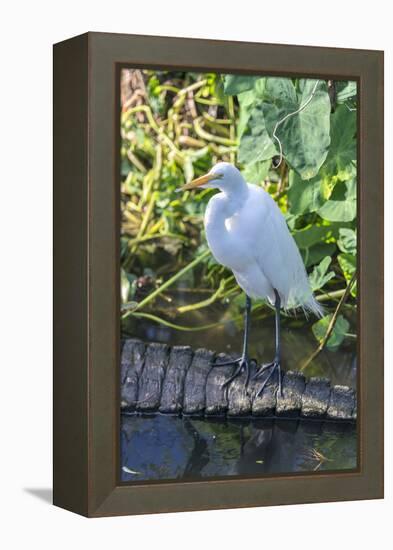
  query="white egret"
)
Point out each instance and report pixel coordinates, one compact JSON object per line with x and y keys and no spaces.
{"x":247,"y":233}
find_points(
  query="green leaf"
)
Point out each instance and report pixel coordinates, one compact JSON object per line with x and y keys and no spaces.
{"x":311,"y":235}
{"x":317,"y":252}
{"x":340,"y":329}
{"x":281,"y":91}
{"x":256,"y":172}
{"x":346,"y":89}
{"x":125,"y":167}
{"x":259,"y":88}
{"x":235,"y":84}
{"x":305,"y":136}
{"x":304,"y":196}
{"x":341,"y":207}
{"x":342,"y":150}
{"x":125,"y":286}
{"x":319,"y":276}
{"x":311,"y":243}
{"x":246,"y":104}
{"x":347,"y":263}
{"x":290,"y":219}
{"x":347,"y":240}
{"x":255,"y":143}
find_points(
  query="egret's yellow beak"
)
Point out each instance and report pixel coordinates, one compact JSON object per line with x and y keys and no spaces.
{"x":199,"y":181}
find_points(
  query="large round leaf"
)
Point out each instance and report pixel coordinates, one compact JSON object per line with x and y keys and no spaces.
{"x":341,"y":206}
{"x":342,"y":152}
{"x":305,"y":136}
{"x":235,"y":84}
{"x":255,"y":143}
{"x":304,"y":196}
{"x":246,"y":102}
{"x":256,"y":172}
{"x":280,"y":91}
{"x":316,"y":253}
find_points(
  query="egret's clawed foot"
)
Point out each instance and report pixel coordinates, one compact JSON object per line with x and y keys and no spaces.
{"x":244,"y":364}
{"x":273,"y":367}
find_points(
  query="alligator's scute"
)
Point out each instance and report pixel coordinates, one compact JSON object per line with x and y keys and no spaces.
{"x":172,"y":395}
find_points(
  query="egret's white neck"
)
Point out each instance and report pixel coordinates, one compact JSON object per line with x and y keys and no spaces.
{"x":236,"y":189}
{"x":233,"y":196}
{"x":223,"y":206}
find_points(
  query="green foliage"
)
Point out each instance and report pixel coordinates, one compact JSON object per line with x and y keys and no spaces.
{"x":338,"y":334}
{"x":257,"y":171}
{"x":312,"y":234}
{"x":347,"y":263}
{"x":347,"y":240}
{"x":127,"y":286}
{"x":341,"y":206}
{"x":320,"y":275}
{"x":313,"y":245}
{"x":317,"y":252}
{"x":256,"y":144}
{"x":181,"y":124}
{"x":305,"y":137}
{"x":346,"y":90}
{"x":342,"y":151}
{"x":234,"y":84}
{"x":305,"y":196}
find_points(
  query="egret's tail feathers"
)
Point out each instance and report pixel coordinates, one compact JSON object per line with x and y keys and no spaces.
{"x":313,"y":306}
{"x":306,"y":305}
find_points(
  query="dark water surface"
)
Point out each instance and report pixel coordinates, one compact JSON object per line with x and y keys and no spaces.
{"x":166,"y":447}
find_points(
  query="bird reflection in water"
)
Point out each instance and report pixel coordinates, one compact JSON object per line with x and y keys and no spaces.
{"x":162,"y":447}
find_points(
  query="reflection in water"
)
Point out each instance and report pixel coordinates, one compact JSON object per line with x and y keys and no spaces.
{"x":167,"y":447}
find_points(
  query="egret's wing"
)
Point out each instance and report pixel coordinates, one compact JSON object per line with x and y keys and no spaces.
{"x":278,"y":256}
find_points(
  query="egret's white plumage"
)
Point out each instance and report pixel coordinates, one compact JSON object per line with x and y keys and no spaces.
{"x":247,"y":233}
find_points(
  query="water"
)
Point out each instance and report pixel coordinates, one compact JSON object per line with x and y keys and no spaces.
{"x":166,"y":447}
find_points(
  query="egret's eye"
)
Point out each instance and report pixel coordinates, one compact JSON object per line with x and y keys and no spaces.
{"x":219,"y":176}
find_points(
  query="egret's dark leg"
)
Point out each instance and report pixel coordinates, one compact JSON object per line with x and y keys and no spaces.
{"x":275,"y":365}
{"x":243,"y":362}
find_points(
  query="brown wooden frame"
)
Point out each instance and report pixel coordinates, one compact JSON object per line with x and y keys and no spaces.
{"x":86,"y":273}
